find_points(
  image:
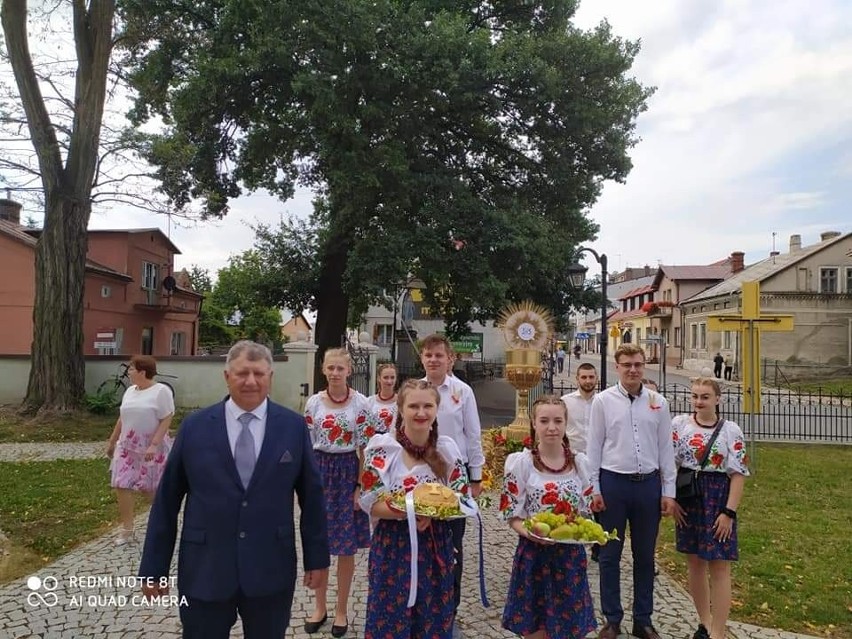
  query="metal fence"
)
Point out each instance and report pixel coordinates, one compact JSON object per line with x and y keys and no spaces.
{"x":786,"y":415}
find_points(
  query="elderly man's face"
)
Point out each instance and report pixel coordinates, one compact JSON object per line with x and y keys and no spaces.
{"x":248,"y":381}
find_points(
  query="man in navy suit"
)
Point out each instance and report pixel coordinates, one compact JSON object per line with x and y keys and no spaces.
{"x":237,"y":464}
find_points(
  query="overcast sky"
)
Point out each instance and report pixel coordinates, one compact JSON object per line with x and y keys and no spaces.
{"x":747,"y":135}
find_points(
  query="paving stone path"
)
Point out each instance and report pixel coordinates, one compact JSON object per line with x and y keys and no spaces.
{"x":93,"y":594}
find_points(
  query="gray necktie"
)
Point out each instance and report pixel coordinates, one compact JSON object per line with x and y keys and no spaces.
{"x":244,"y":455}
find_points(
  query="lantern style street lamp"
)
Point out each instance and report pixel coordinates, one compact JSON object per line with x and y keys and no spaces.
{"x":577,"y":277}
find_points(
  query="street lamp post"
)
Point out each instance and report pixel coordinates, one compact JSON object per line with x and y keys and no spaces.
{"x":577,"y":274}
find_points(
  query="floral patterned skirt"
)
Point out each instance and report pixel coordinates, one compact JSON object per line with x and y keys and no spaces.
{"x":389,"y":574}
{"x":696,"y":538}
{"x":348,"y":526}
{"x":129,"y":470}
{"x":549,"y":590}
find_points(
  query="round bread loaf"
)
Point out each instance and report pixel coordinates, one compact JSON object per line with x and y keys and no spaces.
{"x":434,"y":495}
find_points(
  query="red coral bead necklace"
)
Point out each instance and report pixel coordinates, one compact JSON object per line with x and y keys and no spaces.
{"x":556,"y":471}
{"x":338,"y":401}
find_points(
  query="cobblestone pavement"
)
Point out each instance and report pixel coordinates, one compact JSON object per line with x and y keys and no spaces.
{"x":106,"y":609}
{"x":99,"y":612}
{"x":51,"y":451}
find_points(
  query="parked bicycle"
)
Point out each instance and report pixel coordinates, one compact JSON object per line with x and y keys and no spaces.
{"x":118,"y":383}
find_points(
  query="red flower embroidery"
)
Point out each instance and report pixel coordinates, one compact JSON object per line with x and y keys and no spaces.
{"x":369,"y":431}
{"x":563,"y":507}
{"x":386,"y":416}
{"x":379,"y":462}
{"x":309,"y":420}
{"x":699,"y":452}
{"x":550,"y":486}
{"x":716,"y":459}
{"x":409,"y":483}
{"x":550,"y":498}
{"x":455,"y":474}
{"x":347,"y":436}
{"x":504,"y":501}
{"x":512,"y":487}
{"x":738,"y":445}
{"x":675,"y":436}
{"x":464,"y":489}
{"x":335,"y":433}
{"x":368,"y":479}
{"x":361,"y":419}
{"x":328,"y":422}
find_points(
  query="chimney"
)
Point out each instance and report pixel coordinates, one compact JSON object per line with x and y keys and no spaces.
{"x":737,"y":261}
{"x":10,"y":211}
{"x":795,"y":243}
{"x":827,"y":235}
{"x":647,"y":270}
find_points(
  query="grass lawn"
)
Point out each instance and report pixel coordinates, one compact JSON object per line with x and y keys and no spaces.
{"x":826,"y":386}
{"x":48,"y":508}
{"x":79,"y":426}
{"x":795,"y":567}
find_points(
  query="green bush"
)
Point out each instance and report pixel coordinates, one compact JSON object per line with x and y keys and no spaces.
{"x":102,"y":403}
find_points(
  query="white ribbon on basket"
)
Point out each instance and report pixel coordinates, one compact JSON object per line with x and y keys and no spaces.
{"x":469,"y":508}
{"x":412,"y":535}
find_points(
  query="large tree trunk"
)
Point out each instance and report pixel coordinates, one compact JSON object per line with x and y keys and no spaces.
{"x":332,"y":302}
{"x":57,"y":375}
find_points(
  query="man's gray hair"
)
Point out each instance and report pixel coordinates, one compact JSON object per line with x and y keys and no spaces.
{"x":252,"y":350}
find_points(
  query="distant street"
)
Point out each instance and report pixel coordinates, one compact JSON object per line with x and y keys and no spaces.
{"x":786,"y":416}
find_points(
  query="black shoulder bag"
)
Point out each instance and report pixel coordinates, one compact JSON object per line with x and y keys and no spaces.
{"x":688,"y":488}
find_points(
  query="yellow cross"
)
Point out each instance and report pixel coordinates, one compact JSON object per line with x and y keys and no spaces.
{"x":750,"y":322}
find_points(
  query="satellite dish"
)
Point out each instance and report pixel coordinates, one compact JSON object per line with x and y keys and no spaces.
{"x":169,"y":283}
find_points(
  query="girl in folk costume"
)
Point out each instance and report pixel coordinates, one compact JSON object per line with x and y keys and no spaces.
{"x":337,"y":419}
{"x":707,"y":527}
{"x":383,"y":404}
{"x":398,"y":461}
{"x":549,"y":595}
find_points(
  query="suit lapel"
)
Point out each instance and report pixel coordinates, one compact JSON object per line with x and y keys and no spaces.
{"x":220,"y":438}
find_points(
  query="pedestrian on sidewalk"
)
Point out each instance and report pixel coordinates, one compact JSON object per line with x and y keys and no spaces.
{"x":396,"y":462}
{"x":632,"y":472}
{"x":237,"y":464}
{"x":140,"y":442}
{"x":560,"y":359}
{"x":729,"y":367}
{"x":338,"y":419}
{"x":718,"y":360}
{"x":549,"y":594}
{"x":458,"y":418}
{"x":707,"y":526}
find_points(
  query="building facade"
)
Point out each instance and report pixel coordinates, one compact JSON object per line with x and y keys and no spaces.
{"x":132,"y":301}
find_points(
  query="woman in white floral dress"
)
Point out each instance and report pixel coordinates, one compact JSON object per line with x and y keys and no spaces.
{"x":549,"y":594}
{"x":396,"y":462}
{"x":707,"y":527}
{"x":383,"y":404}
{"x":140,"y":442}
{"x":337,"y":419}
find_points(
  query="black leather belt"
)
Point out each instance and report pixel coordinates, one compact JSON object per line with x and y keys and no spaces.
{"x":643,"y":476}
{"x":635,"y":476}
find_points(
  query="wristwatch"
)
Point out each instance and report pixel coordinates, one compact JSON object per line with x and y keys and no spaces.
{"x":729,"y":512}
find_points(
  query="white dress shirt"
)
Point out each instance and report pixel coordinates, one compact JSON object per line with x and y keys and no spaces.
{"x":257,"y":426}
{"x":631,"y":434}
{"x":579,"y":412}
{"x":458,"y":418}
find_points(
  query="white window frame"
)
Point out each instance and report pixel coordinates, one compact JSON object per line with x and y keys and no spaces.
{"x":693,"y":335}
{"x":384,"y":334}
{"x":849,"y":279}
{"x":726,"y":340}
{"x":150,"y":276}
{"x":826,"y":269}
{"x":179,"y":348}
{"x":702,"y":335}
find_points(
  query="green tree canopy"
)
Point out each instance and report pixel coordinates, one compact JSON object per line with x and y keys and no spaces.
{"x":461,"y":142}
